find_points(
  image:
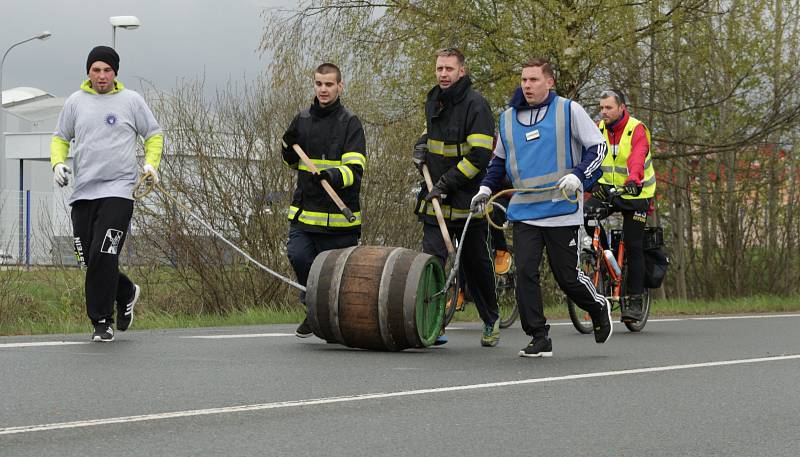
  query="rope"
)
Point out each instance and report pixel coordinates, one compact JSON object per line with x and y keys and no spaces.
{"x":146,"y":184}
{"x":491,"y":201}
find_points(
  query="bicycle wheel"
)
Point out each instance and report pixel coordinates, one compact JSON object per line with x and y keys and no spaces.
{"x":580,"y":318}
{"x":504,"y":286}
{"x":452,"y":302}
{"x":646,"y":302}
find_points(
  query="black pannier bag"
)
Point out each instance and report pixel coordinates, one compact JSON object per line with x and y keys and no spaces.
{"x":656,"y":261}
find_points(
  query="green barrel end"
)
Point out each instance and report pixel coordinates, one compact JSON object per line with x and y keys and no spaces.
{"x":430,"y":307}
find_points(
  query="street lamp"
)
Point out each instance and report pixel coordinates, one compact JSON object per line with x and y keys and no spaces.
{"x":124,"y":22}
{"x":41,"y":36}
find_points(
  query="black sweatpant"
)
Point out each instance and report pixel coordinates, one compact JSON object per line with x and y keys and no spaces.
{"x":477,"y":264}
{"x":303,"y":247}
{"x":634,"y":220}
{"x":562,"y":252}
{"x":99,"y":228}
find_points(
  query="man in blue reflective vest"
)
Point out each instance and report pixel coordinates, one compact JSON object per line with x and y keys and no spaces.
{"x":547,"y":142}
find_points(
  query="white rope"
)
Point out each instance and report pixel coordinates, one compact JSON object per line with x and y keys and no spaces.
{"x":148,"y":185}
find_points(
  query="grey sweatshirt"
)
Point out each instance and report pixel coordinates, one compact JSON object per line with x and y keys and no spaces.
{"x":105,"y":129}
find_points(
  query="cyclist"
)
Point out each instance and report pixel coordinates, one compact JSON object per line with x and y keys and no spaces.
{"x":547,"y":140}
{"x":628,"y":165}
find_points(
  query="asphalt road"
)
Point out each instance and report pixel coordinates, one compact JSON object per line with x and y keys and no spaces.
{"x":684,"y":387}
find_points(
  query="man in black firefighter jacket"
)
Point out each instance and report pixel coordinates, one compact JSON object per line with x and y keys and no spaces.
{"x":333,"y":138}
{"x":456,"y":148}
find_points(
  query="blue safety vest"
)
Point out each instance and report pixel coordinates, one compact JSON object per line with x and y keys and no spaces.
{"x":538,"y":156}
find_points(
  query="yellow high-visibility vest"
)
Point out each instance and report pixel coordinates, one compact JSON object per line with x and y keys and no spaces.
{"x":615,"y":168}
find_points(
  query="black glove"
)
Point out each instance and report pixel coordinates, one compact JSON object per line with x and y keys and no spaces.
{"x":599,"y":192}
{"x":291,"y":137}
{"x":439,"y":191}
{"x":419,"y":156}
{"x":323,"y":174}
{"x":632,"y":188}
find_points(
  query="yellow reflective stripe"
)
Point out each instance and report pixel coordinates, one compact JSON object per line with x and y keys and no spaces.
{"x":293,"y":166}
{"x":467,"y":168}
{"x":448,"y":150}
{"x":354,"y":158}
{"x":451,"y":213}
{"x":347,"y":175}
{"x":323,"y":219}
{"x":321,"y":164}
{"x":479,"y":140}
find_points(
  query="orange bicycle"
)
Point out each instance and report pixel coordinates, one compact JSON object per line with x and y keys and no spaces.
{"x":604,"y":262}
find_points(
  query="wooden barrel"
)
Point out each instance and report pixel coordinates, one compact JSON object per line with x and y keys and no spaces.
{"x":375,"y":297}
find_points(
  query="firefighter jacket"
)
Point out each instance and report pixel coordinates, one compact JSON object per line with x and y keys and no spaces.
{"x":333,"y":139}
{"x":459,"y":136}
{"x":622,"y":163}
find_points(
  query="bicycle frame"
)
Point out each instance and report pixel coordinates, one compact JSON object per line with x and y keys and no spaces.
{"x":615,"y":278}
{"x":597,"y":247}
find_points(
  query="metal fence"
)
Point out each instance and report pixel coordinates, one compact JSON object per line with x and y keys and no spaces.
{"x":35,"y":229}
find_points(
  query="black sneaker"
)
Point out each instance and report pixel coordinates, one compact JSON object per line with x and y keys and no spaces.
{"x":602,"y":324}
{"x":538,"y":347}
{"x":103,"y":332}
{"x":304,"y":330}
{"x":632,"y":311}
{"x":125,"y":314}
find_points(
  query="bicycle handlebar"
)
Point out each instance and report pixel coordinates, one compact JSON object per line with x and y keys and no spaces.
{"x":606,"y":204}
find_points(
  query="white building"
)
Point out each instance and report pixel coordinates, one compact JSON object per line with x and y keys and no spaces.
{"x":33,"y":210}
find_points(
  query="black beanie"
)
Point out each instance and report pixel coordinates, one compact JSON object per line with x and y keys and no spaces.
{"x":103,"y":54}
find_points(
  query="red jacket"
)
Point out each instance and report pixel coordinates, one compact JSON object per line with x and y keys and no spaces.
{"x":639,"y":146}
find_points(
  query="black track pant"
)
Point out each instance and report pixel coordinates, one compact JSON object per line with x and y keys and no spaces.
{"x":562,"y":252}
{"x":99,"y":228}
{"x":477,"y":265}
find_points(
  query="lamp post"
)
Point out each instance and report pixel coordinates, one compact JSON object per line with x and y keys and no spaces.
{"x":41,"y":36}
{"x":123,"y":22}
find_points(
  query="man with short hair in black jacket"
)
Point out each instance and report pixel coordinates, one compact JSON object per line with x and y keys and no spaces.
{"x":456,"y":148}
{"x":333,"y":139}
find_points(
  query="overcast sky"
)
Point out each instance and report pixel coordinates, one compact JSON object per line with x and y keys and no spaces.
{"x":177,"y":39}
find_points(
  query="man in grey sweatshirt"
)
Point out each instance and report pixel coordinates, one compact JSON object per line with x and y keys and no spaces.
{"x":104,"y":121}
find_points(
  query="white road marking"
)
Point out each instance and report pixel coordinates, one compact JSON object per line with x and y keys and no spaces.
{"x":675,"y":319}
{"x":719,"y":318}
{"x":243,"y":335}
{"x":266,"y":335}
{"x":376,"y":396}
{"x":41,"y":343}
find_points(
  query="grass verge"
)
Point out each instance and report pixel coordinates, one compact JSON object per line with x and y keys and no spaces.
{"x":51,"y":301}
